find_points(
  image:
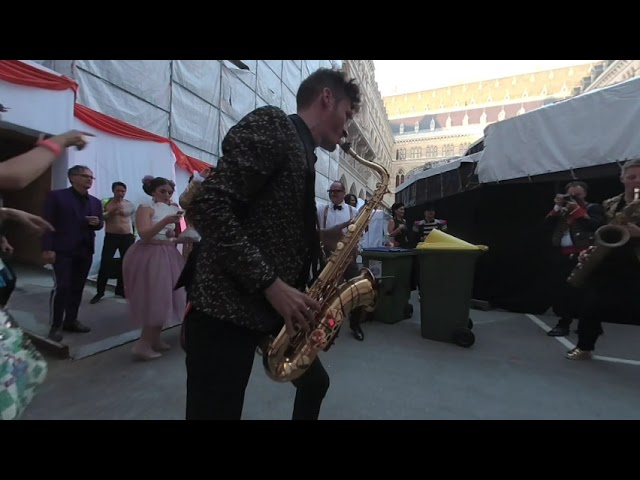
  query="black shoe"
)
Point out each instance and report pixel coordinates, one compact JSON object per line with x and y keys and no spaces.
{"x":120,"y":293}
{"x":55,"y":334}
{"x":96,"y":298}
{"x":558,"y":331}
{"x":75,"y":327}
{"x":357,"y":333}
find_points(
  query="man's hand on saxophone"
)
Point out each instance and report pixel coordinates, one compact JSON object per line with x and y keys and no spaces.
{"x":331,"y":236}
{"x":295,"y":307}
{"x":633,"y":229}
{"x":584,"y":255}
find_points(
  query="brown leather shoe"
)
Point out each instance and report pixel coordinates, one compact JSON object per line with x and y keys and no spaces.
{"x":579,"y":354}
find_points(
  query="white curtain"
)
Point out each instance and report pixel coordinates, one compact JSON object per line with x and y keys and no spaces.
{"x":47,"y":111}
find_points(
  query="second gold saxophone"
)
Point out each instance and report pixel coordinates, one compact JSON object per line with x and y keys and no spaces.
{"x":608,"y":237}
{"x":287,"y":357}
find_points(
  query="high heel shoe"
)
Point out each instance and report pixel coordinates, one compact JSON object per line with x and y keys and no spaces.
{"x":145,"y":356}
{"x":162,"y":347}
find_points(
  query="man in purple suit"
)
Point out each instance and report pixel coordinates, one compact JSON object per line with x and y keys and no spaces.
{"x":76,"y":216}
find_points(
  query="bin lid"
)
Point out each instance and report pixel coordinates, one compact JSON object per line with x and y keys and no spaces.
{"x":392,"y":251}
{"x":387,"y":249}
{"x":438,"y":240}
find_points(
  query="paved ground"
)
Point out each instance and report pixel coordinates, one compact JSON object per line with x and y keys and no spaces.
{"x":109,"y":319}
{"x":514,"y":371}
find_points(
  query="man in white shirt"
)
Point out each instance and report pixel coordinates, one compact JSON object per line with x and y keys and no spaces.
{"x":339,"y":214}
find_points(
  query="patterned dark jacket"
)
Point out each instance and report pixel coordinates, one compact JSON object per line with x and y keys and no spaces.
{"x":582,"y":229}
{"x":250,"y":214}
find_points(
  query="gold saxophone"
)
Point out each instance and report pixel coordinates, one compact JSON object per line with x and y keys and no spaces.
{"x":608,"y":237}
{"x":286,"y":357}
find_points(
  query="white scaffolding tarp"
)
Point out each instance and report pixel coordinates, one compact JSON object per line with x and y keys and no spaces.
{"x":196,"y":102}
{"x":134,"y":91}
{"x":594,"y":128}
{"x":113,"y":158}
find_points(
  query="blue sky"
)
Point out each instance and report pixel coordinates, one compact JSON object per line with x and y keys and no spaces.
{"x":402,"y":76}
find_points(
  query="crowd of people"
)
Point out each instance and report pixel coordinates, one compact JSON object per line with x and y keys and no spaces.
{"x":255,"y":240}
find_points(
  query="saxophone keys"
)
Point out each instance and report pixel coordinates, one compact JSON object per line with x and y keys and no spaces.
{"x":340,"y":246}
{"x":351,"y":228}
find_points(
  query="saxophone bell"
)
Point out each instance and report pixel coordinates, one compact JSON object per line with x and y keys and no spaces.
{"x":607,"y":238}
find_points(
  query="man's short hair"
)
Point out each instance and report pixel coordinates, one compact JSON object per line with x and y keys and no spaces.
{"x":635,"y":163}
{"x":338,"y":181}
{"x":76,"y":169}
{"x":576,"y":183}
{"x":117,"y":184}
{"x":335,"y":80}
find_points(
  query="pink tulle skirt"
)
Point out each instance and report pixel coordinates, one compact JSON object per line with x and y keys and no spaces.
{"x":150,"y":272}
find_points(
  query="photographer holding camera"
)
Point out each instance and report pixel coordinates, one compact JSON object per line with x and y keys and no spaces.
{"x":573,"y":222}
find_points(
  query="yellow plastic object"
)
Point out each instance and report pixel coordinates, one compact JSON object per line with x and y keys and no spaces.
{"x":438,"y":240}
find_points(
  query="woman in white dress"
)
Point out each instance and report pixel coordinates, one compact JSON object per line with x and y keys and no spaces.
{"x":151,"y":268}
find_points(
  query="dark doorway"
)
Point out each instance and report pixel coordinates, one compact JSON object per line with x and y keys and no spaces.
{"x":15,"y":140}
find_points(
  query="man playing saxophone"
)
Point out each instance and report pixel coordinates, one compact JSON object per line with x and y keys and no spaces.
{"x":258,"y":221}
{"x":612,"y":290}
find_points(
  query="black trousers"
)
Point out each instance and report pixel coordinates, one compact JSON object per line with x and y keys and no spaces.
{"x":113,"y":242}
{"x":219,"y":361}
{"x":355,"y":319}
{"x":70,"y":276}
{"x":566,"y":300}
{"x":611,"y":302}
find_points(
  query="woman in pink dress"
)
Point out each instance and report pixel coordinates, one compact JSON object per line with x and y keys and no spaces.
{"x":151,"y":268}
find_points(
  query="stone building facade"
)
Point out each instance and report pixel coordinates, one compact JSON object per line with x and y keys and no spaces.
{"x":433,"y":127}
{"x":611,"y":72}
{"x":370,"y":134}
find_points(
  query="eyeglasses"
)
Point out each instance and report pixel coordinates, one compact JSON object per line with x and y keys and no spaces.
{"x":335,"y":191}
{"x":84,"y":175}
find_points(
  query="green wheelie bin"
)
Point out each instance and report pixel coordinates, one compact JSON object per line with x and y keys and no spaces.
{"x":446,"y":273}
{"x":393,"y":266}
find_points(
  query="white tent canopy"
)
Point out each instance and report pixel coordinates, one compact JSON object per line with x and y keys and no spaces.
{"x":594,"y":128}
{"x":447,"y":167}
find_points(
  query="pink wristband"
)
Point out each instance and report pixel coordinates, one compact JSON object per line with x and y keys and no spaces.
{"x":50,"y":145}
